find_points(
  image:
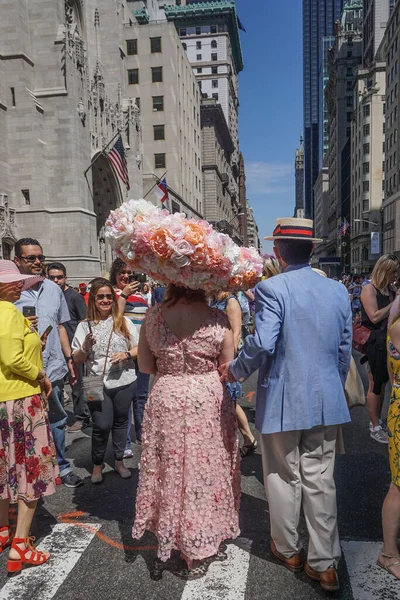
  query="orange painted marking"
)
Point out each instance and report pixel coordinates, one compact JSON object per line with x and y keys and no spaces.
{"x":70,"y":518}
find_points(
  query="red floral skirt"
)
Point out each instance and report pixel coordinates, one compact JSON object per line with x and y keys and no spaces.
{"x":28,"y":462}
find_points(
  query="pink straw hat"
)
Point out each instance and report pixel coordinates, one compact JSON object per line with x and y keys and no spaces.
{"x":9,"y":273}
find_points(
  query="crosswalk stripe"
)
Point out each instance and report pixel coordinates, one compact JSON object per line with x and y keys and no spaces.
{"x":66,"y":544}
{"x":226,"y":579}
{"x":368,"y":580}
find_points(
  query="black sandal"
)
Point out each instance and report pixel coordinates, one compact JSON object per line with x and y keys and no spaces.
{"x":247,"y":450}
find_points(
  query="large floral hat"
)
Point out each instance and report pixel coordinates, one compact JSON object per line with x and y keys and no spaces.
{"x":173,"y":249}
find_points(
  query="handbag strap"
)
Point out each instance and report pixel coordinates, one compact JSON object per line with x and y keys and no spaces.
{"x":108,"y":347}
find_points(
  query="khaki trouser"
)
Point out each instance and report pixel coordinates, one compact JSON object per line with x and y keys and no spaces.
{"x":298,"y":470}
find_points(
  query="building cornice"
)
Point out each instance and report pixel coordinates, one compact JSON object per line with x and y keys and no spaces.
{"x":17,"y":56}
{"x":200,"y":13}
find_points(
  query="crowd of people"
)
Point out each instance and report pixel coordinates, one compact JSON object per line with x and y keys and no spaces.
{"x":166,"y":363}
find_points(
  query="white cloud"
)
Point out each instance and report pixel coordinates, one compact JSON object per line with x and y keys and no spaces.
{"x":269,"y":178}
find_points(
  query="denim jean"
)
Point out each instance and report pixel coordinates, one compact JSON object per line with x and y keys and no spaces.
{"x":136,"y":411}
{"x":58,"y":421}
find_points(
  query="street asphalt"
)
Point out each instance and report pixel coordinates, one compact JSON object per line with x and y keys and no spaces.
{"x":94,"y":557}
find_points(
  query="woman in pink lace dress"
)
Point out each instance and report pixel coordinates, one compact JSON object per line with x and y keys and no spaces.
{"x":189,"y":486}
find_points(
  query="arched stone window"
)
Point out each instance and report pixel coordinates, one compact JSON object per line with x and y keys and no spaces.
{"x":214,"y":44}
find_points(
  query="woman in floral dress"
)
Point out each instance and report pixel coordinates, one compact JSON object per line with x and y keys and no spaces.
{"x":389,"y":558}
{"x":189,"y":484}
{"x":28,"y":464}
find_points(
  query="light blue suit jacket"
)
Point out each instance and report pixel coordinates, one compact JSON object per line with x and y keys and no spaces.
{"x":302,"y":348}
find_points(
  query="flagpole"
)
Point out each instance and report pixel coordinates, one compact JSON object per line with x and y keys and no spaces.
{"x":156,"y":183}
{"x":102,"y":151}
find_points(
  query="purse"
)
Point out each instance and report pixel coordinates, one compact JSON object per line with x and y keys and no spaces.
{"x":92,"y":385}
{"x":354,"y":389}
{"x":361,"y":335}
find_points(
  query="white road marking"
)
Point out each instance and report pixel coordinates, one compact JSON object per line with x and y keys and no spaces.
{"x":226,"y":579}
{"x":368,"y":580}
{"x":66,"y":544}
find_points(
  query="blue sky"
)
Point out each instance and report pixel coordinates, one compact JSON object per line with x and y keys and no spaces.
{"x":271,"y":105}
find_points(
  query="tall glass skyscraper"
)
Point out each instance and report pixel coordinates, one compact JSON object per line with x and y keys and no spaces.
{"x":319,"y":18}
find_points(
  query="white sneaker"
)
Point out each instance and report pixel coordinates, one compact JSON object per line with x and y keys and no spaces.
{"x":128,"y":453}
{"x":379,"y":435}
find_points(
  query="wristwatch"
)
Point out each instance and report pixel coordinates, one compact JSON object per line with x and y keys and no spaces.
{"x":124,"y":296}
{"x":128,"y":355}
{"x":68,"y":358}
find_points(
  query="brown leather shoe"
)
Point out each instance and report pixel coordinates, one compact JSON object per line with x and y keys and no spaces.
{"x":294,"y":563}
{"x":328,"y":580}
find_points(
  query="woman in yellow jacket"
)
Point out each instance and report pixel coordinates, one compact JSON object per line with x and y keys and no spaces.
{"x":28,"y":464}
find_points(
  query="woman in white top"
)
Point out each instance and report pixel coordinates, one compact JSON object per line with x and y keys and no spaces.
{"x":107,"y":341}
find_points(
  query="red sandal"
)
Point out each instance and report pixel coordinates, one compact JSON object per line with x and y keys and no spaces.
{"x":14,"y":566}
{"x":5,"y":541}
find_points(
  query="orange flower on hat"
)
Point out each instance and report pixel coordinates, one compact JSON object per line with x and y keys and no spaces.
{"x":194,"y":234}
{"x":161,"y":243}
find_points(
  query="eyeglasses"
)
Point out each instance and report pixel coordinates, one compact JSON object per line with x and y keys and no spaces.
{"x":33,"y":258}
{"x":56,"y":277}
{"x":104,"y":297}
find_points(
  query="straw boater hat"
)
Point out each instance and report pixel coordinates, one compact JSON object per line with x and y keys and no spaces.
{"x":9,"y":273}
{"x":294,"y":229}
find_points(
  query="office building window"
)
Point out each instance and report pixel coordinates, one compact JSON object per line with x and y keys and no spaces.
{"x":159,"y":132}
{"x":349,"y":100}
{"x":214,"y":70}
{"x":366,"y":130}
{"x":133,"y":76}
{"x":198,"y":56}
{"x":366,"y":168}
{"x":159,"y":161}
{"x":365,"y":186}
{"x":213,"y":29}
{"x":215,"y":96}
{"x":182,"y":32}
{"x":184,"y":46}
{"x":155,"y":45}
{"x":215,"y":83}
{"x":365,"y":205}
{"x":198,"y":30}
{"x":366,"y":110}
{"x":158,"y":103}
{"x":131,"y":47}
{"x":349,"y":72}
{"x":214,"y":56}
{"x":198,"y":45}
{"x":156,"y":74}
{"x":366,"y":148}
{"x":199,"y":69}
{"x":214,"y":44}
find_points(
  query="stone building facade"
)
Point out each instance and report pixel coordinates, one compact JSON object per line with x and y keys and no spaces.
{"x":63,"y":98}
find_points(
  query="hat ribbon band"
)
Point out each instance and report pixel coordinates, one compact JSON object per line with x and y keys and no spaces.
{"x":293,"y":231}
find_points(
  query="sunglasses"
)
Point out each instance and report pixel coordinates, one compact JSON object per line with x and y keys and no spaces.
{"x":56,"y":277}
{"x":104,"y":297}
{"x":33,"y":258}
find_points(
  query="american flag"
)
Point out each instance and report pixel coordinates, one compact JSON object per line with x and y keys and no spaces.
{"x":343,"y":227}
{"x":117,"y":158}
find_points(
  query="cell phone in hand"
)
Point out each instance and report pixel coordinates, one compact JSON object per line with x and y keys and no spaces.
{"x":46,"y":331}
{"x":29,"y":311}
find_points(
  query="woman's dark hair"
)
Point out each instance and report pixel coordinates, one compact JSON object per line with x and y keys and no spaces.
{"x":119,"y":322}
{"x":117,"y":266}
{"x":174,"y":293}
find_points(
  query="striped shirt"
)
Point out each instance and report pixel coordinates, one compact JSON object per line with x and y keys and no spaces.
{"x":136,"y":308}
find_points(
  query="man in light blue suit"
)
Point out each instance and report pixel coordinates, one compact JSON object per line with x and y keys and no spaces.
{"x":301,"y":348}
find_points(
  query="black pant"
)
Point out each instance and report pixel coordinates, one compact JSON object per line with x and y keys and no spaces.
{"x":81,"y":410}
{"x":111,"y":415}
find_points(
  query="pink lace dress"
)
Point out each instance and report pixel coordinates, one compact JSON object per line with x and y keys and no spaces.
{"x":189,"y":484}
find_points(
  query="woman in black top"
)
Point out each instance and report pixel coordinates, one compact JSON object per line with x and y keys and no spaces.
{"x":376,"y":301}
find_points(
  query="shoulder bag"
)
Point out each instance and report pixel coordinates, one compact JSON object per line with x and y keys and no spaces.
{"x":92,"y":385}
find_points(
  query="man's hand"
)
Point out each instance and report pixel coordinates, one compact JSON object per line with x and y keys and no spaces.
{"x":73,"y":377}
{"x":225,"y":374}
{"x":34,"y":321}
